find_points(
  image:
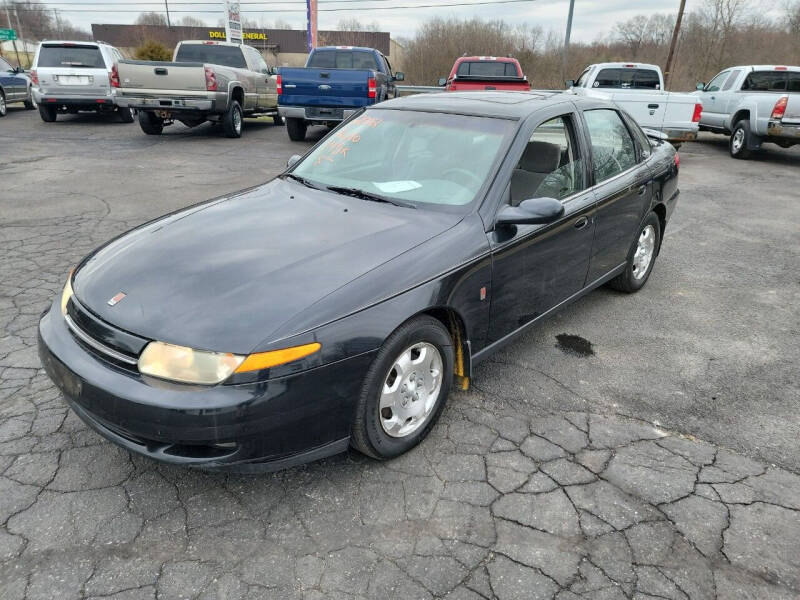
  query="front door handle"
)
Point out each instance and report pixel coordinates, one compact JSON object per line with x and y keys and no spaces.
{"x":581,"y":223}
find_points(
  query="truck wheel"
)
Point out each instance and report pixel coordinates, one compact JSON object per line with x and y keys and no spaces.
{"x":232,"y":120}
{"x":125,"y":114}
{"x":150,"y":124}
{"x":48,"y":113}
{"x":740,"y":138}
{"x":277,"y":120}
{"x":296,"y":129}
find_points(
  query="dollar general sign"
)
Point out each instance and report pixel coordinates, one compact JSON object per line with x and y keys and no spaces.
{"x":247,"y":35}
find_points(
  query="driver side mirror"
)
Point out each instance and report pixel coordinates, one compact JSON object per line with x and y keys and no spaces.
{"x":293,"y":160}
{"x":700,"y":86}
{"x":534,"y":211}
{"x":399,"y":76}
{"x":570,"y":83}
{"x":442,"y":81}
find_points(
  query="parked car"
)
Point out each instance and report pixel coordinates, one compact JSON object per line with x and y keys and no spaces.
{"x":70,"y":77}
{"x":220,"y":82}
{"x":486,"y":73}
{"x":754,"y":105}
{"x":639,"y":89}
{"x":339,"y":303}
{"x":336,"y":82}
{"x":15,"y":86}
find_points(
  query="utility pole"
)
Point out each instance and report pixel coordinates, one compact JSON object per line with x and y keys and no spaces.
{"x":166,"y":4}
{"x":566,"y":39}
{"x":673,"y":43}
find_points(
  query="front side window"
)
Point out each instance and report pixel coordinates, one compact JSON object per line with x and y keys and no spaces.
{"x":582,"y":79}
{"x":731,"y":80}
{"x":4,"y":66}
{"x":550,"y":165}
{"x":613,"y":150}
{"x":433,"y":159}
{"x":716,"y":84}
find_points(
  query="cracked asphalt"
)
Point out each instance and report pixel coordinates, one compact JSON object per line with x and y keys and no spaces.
{"x":653,"y":455}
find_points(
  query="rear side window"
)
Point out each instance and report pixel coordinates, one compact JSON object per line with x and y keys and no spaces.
{"x":78,"y":57}
{"x":613,"y":150}
{"x":766,"y":81}
{"x":731,"y":80}
{"x":343,"y":59}
{"x":227,"y":56}
{"x":487,"y":68}
{"x":643,"y":79}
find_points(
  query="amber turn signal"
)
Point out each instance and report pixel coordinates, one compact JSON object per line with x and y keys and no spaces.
{"x":273,"y":358}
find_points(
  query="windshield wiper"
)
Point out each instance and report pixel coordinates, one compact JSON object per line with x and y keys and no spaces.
{"x":365,"y":195}
{"x":304,"y":181}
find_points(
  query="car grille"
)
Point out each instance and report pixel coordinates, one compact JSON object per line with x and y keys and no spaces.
{"x":102,"y":339}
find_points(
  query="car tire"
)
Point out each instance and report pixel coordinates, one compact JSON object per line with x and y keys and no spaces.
{"x":48,"y":113}
{"x":30,"y":103}
{"x":277,"y":120}
{"x":232,"y":120}
{"x":150,"y":123}
{"x":641,"y":257}
{"x":740,"y":138}
{"x":382,"y":433}
{"x":3,"y":105}
{"x":126,"y":115}
{"x":296,"y":128}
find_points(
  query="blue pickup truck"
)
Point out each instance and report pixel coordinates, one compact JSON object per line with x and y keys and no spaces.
{"x":336,"y":82}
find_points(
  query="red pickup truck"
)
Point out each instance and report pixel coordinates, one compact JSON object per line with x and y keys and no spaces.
{"x":486,"y":73}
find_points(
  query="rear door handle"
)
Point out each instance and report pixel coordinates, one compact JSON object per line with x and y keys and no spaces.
{"x":581,"y":223}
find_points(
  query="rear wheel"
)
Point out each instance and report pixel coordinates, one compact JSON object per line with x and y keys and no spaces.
{"x":405,"y":389}
{"x":232,"y":120}
{"x":740,"y":138}
{"x":3,"y":107}
{"x":150,"y":123}
{"x":126,"y":115}
{"x":641,"y":257}
{"x":296,"y":128}
{"x":48,"y":113}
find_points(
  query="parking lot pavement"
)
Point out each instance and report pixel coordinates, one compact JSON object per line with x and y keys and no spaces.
{"x":637,"y":446}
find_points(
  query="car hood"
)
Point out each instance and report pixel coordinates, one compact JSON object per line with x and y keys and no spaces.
{"x":226,"y":274}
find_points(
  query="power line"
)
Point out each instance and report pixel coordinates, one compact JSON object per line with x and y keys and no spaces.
{"x":281,"y":10}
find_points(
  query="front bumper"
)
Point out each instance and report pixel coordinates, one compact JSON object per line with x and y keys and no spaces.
{"x":265,"y":425}
{"x":316,"y":113}
{"x":781,"y":129}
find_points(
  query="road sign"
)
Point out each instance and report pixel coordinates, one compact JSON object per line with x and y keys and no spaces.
{"x":7,"y":35}
{"x":233,"y":22}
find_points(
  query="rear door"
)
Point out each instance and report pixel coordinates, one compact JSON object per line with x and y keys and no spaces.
{"x":72,"y":69}
{"x":623,"y":188}
{"x":14,"y":86}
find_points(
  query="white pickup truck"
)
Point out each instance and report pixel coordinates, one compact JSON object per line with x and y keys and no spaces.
{"x":639,"y":89}
{"x":753,"y":104}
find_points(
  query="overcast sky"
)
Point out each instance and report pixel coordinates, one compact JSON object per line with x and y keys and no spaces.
{"x":593,"y":18}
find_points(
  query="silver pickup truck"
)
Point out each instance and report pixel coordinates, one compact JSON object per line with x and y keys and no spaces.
{"x":754,"y":105}
{"x":208,"y":81}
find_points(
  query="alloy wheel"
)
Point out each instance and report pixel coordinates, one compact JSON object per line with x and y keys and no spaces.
{"x":411,"y":390}
{"x":644,"y":252}
{"x":738,"y":140}
{"x":2,"y":105}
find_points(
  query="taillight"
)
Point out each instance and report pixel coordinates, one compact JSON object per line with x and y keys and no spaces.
{"x":34,"y":77}
{"x":698,"y":110}
{"x":211,"y":80}
{"x":113,"y":77}
{"x":279,"y":85}
{"x":372,"y":88}
{"x":677,"y":161}
{"x":780,"y":107}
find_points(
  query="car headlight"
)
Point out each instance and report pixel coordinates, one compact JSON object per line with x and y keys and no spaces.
{"x":179,"y":363}
{"x":66,"y":294}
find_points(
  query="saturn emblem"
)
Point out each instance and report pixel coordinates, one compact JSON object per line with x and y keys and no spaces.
{"x":116,"y":299}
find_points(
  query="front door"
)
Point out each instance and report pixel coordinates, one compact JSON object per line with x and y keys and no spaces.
{"x":623,"y":189}
{"x":535,"y":267}
{"x":713,"y":107}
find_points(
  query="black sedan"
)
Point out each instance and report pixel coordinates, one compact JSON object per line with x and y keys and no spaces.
{"x":338,"y":304}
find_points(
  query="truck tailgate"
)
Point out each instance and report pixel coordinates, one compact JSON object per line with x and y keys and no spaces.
{"x":680,"y":110}
{"x":324,"y":87}
{"x":170,"y":76}
{"x":654,"y":110}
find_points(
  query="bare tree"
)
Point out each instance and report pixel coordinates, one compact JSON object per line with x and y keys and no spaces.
{"x":793,"y":16}
{"x":356,"y":25}
{"x":281,"y":24}
{"x":633,"y":33}
{"x":189,"y":21}
{"x":151,"y":18}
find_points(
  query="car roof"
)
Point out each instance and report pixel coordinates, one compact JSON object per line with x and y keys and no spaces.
{"x":486,"y":58}
{"x":75,"y":42}
{"x":767,"y":67}
{"x":508,"y":105}
{"x":631,"y":64}
{"x":361,"y":48}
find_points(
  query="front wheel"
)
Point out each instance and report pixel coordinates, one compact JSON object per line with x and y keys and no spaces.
{"x":641,"y":257}
{"x":48,"y":113}
{"x":740,"y":138}
{"x":126,"y":115}
{"x":3,"y":107}
{"x":150,"y":123}
{"x":296,"y":128}
{"x":405,"y":389}
{"x":232,"y":120}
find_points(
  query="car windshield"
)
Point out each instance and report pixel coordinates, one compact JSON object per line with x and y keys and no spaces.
{"x":81,"y":57}
{"x":412,"y":157}
{"x":214,"y":54}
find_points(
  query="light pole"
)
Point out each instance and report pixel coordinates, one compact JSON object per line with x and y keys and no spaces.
{"x":566,"y":39}
{"x":166,"y":4}
{"x":673,"y":43}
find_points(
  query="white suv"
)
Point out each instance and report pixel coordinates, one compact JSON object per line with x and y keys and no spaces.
{"x":69,"y":77}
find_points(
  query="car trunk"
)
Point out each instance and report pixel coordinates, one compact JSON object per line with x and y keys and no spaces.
{"x":72,"y":70}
